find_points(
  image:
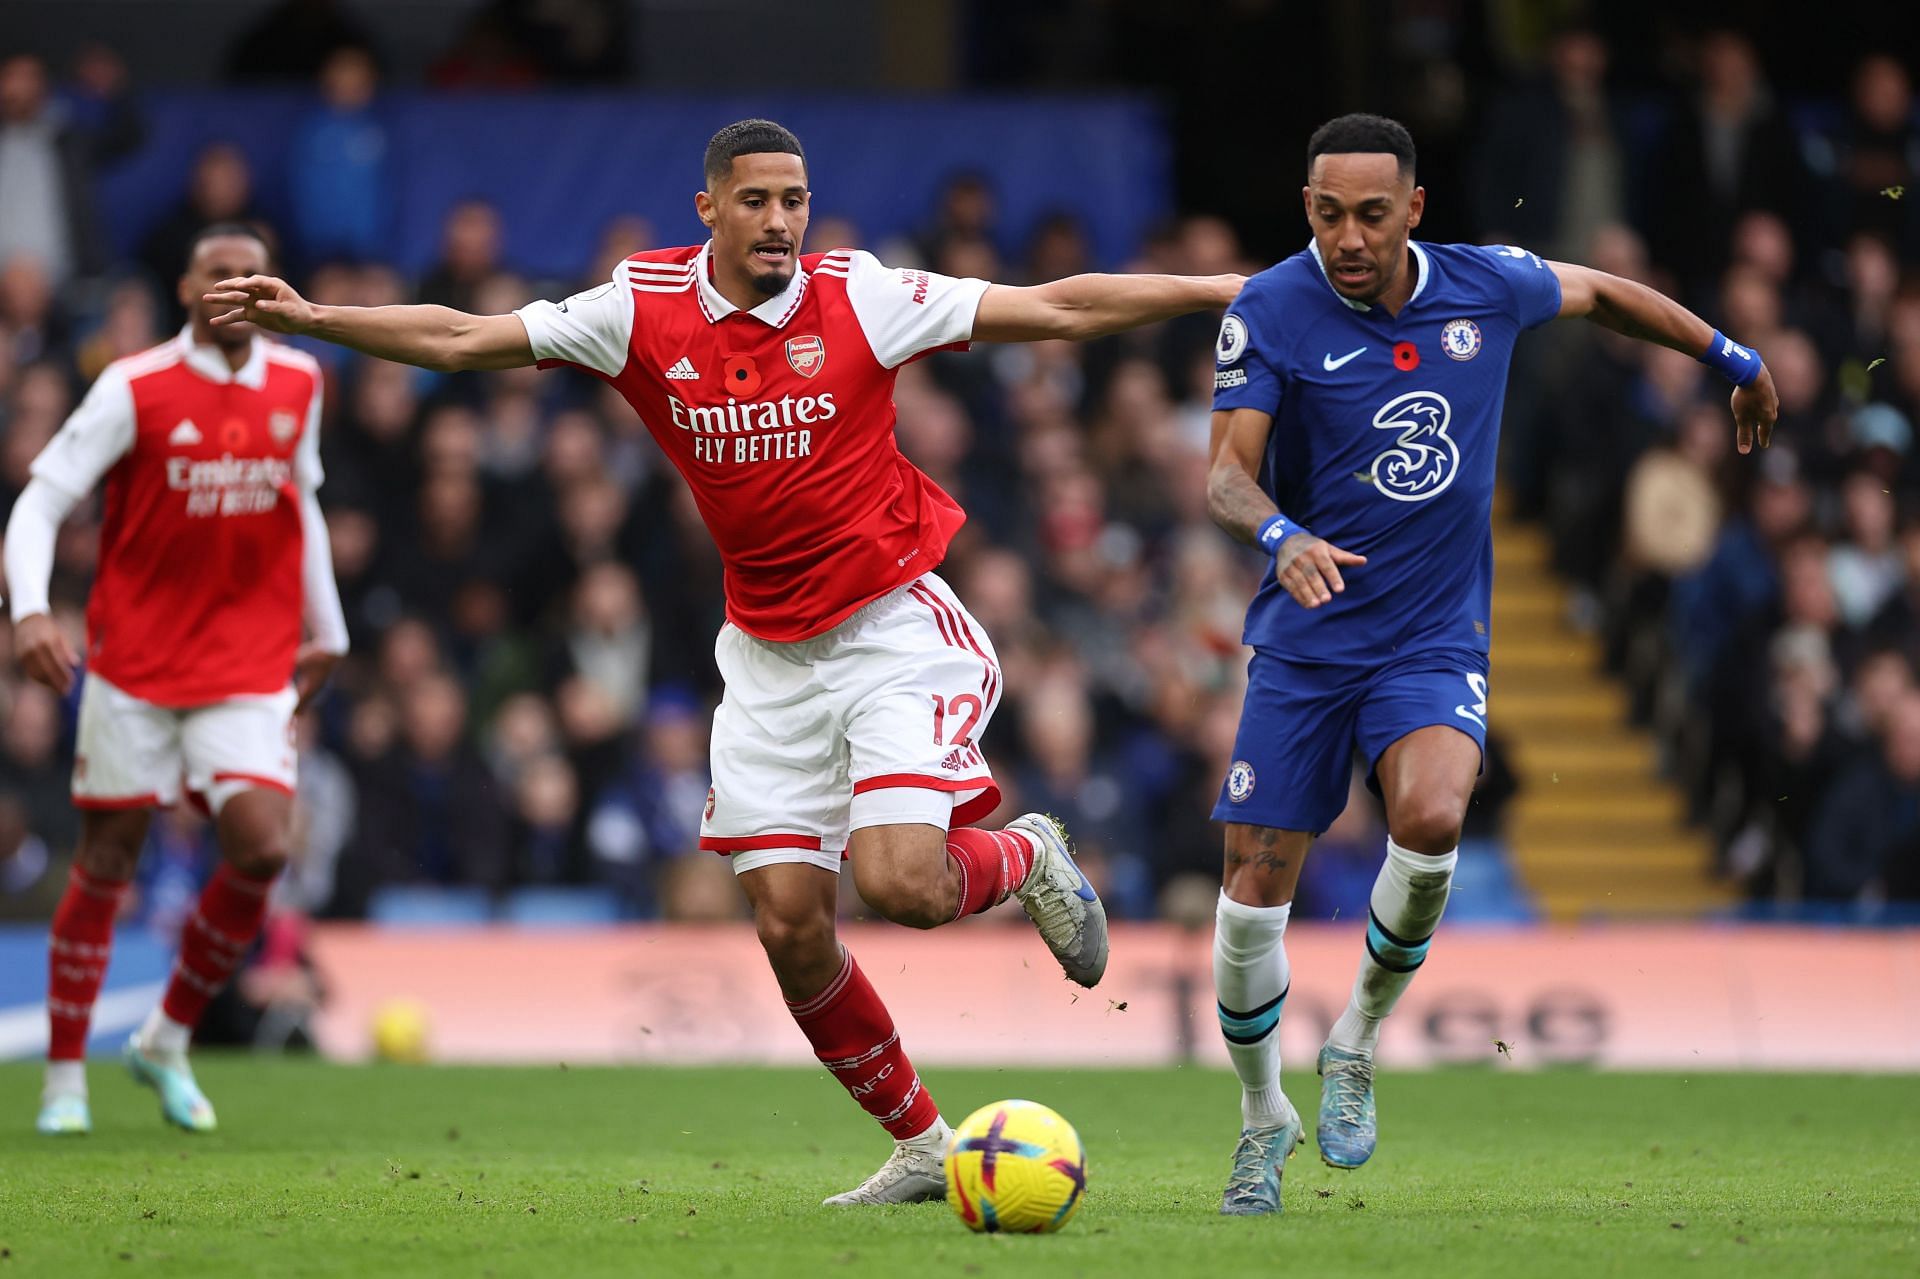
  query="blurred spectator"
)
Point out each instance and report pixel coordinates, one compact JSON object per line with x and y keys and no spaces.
{"x":31,"y":876}
{"x":131,"y":325}
{"x":1865,"y":839}
{"x":47,"y":163}
{"x":609,"y":639}
{"x":546,"y":823}
{"x":32,"y":773}
{"x":326,"y":810}
{"x":1878,"y":150}
{"x":1739,"y":580}
{"x":469,"y":253}
{"x":965,"y":221}
{"x":341,"y":187}
{"x":1070,"y":777}
{"x":513,"y":44}
{"x":623,"y":237}
{"x":1729,"y":149}
{"x":220,"y":189}
{"x":486,"y":55}
{"x":429,"y":810}
{"x":1550,"y":169}
{"x":1865,"y":568}
{"x":293,"y":40}
{"x":31,"y":326}
{"x":650,"y":817}
{"x":1058,"y":248}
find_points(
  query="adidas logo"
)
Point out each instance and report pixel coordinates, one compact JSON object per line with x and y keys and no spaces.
{"x":954,"y":761}
{"x":683,"y":371}
{"x":185,"y":433}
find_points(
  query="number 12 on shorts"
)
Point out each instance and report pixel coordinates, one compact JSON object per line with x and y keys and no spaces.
{"x":1477,"y":688}
{"x":966,"y":704}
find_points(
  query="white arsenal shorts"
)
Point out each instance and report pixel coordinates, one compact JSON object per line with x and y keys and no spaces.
{"x":874,"y":723}
{"x":133,"y":754}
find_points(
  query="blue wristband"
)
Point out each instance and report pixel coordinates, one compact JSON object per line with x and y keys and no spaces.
{"x":1738,"y":364}
{"x":1276,"y":530}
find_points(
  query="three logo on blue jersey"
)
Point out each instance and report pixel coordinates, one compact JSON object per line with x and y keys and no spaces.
{"x":1424,"y":460}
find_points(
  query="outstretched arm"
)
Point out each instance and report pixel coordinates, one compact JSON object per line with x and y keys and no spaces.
{"x":1651,"y":316}
{"x":432,"y":337}
{"x":1307,"y":566}
{"x":1091,"y":306}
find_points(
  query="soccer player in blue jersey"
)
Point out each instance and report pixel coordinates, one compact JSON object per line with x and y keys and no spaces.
{"x":1356,"y":417}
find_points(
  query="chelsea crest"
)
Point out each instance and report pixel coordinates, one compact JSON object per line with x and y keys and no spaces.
{"x":1460,"y":339}
{"x":1239,"y":781}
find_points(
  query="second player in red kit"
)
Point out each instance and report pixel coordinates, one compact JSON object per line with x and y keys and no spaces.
{"x":857,"y":685}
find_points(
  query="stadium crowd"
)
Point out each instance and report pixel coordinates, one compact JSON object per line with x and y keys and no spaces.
{"x":532,"y":598}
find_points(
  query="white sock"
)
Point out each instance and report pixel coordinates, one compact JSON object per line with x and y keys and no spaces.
{"x":1250,"y":976}
{"x":64,"y":1079}
{"x":1408,"y":898}
{"x":934,"y":1138}
{"x":163,"y":1035}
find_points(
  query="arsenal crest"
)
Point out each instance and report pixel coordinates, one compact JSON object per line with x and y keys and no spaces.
{"x":807,"y":354}
{"x":283,"y":425}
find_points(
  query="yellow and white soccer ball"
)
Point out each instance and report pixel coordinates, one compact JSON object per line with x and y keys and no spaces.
{"x":1015,"y":1166}
{"x":402,"y":1031}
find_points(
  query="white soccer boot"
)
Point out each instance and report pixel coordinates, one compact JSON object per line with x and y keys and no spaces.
{"x":1060,"y":901}
{"x":915,"y":1173}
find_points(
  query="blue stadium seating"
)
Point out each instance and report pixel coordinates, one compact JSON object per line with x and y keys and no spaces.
{"x":417,"y":906}
{"x":560,"y":907}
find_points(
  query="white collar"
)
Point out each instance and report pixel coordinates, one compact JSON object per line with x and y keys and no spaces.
{"x":210,"y":362}
{"x":1419,"y":285}
{"x":774,"y":312}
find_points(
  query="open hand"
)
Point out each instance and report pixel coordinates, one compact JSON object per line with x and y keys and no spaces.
{"x":265,"y":300}
{"x":1309,"y":567}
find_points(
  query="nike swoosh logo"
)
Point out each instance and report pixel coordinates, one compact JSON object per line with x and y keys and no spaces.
{"x":1085,"y":892}
{"x":1328,"y":363}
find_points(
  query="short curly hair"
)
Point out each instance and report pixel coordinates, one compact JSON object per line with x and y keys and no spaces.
{"x":1362,"y":133}
{"x":749,"y":137}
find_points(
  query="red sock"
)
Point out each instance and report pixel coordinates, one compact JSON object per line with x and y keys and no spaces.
{"x":992,"y":864}
{"x":853,"y":1036}
{"x":213,"y":940}
{"x":77,"y":950}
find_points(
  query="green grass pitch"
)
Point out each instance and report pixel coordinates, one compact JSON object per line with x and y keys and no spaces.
{"x":556,"y":1173}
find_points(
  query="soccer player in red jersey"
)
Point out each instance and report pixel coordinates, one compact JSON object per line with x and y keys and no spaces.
{"x":212,"y":550}
{"x":857,"y":685}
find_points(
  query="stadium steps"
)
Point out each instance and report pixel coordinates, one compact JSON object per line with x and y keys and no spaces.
{"x":1595,"y":832}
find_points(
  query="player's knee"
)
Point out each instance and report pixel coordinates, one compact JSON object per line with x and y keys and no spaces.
{"x":1430,"y":824}
{"x":917,"y":904}
{"x":261,"y":858}
{"x":110,"y":844}
{"x":796,"y":938}
{"x":108,"y":859}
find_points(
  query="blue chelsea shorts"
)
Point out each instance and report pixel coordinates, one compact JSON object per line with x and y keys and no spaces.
{"x":1302,"y":723}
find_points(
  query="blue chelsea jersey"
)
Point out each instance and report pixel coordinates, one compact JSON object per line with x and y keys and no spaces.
{"x":1385,"y":431}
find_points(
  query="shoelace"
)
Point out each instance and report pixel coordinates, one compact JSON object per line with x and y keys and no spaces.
{"x":1250,"y":1166}
{"x":1053,"y":913}
{"x":898,"y":1165}
{"x":1352,"y":1083}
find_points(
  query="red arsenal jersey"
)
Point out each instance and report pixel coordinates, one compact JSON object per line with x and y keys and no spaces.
{"x":781,"y":418}
{"x":198,"y":594}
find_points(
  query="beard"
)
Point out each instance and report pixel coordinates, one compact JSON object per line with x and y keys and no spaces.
{"x":771,"y":283}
